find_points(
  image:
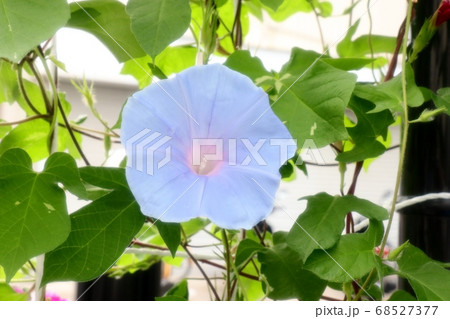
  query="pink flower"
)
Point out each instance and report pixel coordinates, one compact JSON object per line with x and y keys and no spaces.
{"x":443,"y":13}
{"x":385,"y":251}
{"x":18,"y":290}
{"x":51,"y":296}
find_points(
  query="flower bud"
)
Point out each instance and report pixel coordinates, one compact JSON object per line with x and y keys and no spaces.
{"x":443,"y":13}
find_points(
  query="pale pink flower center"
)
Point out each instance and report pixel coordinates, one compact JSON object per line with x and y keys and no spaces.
{"x":205,"y":159}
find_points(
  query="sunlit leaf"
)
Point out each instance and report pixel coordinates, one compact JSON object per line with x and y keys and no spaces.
{"x":282,"y":267}
{"x":158,"y":23}
{"x":365,"y":133}
{"x":244,"y":63}
{"x":109,"y":22}
{"x":365,"y":44}
{"x":389,"y":95}
{"x":33,"y":212}
{"x":312,"y":101}
{"x":321,"y":224}
{"x":43,"y":18}
{"x":351,"y":258}
{"x":8,"y":294}
{"x":171,"y":234}
{"x":427,"y":277}
{"x":247,"y":248}
{"x":179,"y":292}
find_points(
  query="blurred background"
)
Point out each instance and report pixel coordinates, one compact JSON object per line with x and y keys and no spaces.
{"x":85,"y":56}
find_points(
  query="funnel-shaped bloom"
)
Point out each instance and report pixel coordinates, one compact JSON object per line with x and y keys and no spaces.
{"x":204,"y":144}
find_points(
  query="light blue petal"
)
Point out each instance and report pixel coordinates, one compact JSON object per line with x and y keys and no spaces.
{"x":167,"y":196}
{"x":239,"y":199}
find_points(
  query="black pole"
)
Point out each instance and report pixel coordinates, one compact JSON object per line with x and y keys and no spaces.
{"x":143,"y":285}
{"x":427,"y":168}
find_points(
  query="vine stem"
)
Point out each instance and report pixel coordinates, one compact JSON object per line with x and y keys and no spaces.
{"x":58,"y":106}
{"x":369,"y":39}
{"x":53,"y":108}
{"x":23,"y":91}
{"x":30,"y":118}
{"x":403,"y":146}
{"x":405,"y":129}
{"x":243,"y":274}
{"x":319,"y":26}
{"x":226,"y":254}
{"x":214,"y":291}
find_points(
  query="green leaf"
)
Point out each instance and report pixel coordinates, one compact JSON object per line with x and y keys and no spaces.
{"x":58,"y":63}
{"x":158,"y":23}
{"x":139,"y":69}
{"x":321,"y":224}
{"x":227,"y":14}
{"x":426,"y":276}
{"x":9,"y":90}
{"x":100,"y":232}
{"x":348,"y":64}
{"x":4,"y":129}
{"x":108,"y":21}
{"x":108,"y":178}
{"x":282,"y":267}
{"x":171,"y":60}
{"x":35,"y":95}
{"x":325,"y":8}
{"x":288,"y":8}
{"x":180,"y":292}
{"x":272,"y":4}
{"x":247,"y":249}
{"x":389,"y":96}
{"x":244,"y":63}
{"x":287,"y":171}
{"x":8,"y":294}
{"x":442,"y":98}
{"x":171,"y":234}
{"x":30,"y":136}
{"x":361,"y":47}
{"x":352,"y":257}
{"x":43,"y":18}
{"x":401,"y":295}
{"x":33,"y":212}
{"x":365,"y":133}
{"x":194,"y":225}
{"x":176,"y":59}
{"x":312,"y":102}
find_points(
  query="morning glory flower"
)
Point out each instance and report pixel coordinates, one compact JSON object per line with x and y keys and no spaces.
{"x":204,"y":143}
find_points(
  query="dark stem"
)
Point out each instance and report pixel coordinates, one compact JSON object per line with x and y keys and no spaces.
{"x":141,"y":244}
{"x":216,"y":295}
{"x":260,"y":237}
{"x":350,"y":224}
{"x":237,"y":27}
{"x":88,"y":134}
{"x":233,"y":286}
{"x":393,"y":64}
{"x":72,"y":135}
{"x":352,"y":188}
{"x":23,"y":90}
{"x":335,"y":148}
{"x":47,"y":102}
